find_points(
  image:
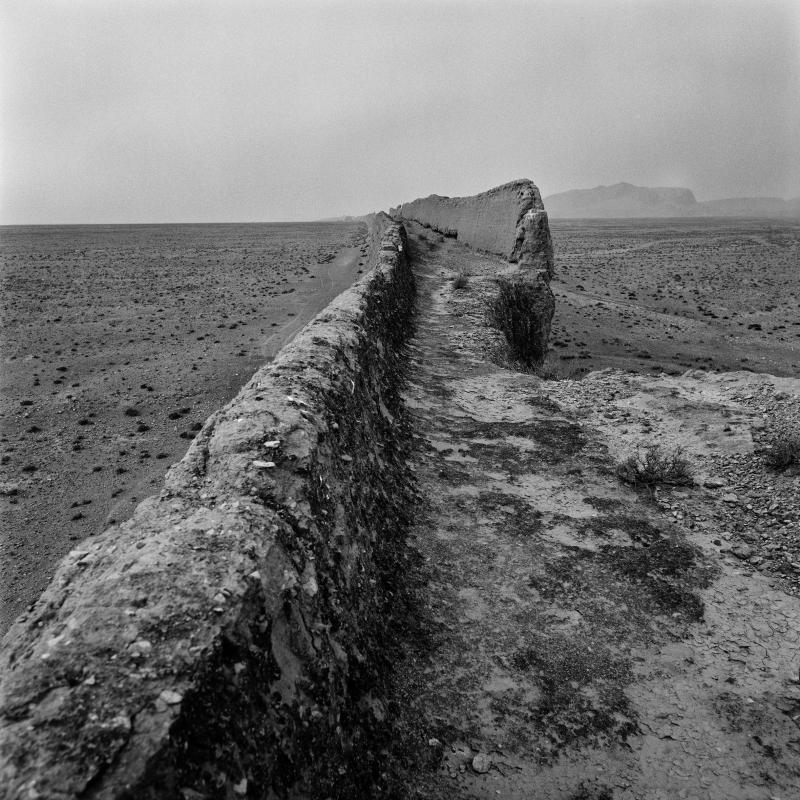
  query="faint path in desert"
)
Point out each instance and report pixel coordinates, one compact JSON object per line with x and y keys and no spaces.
{"x":585,"y":641}
{"x":93,"y":463}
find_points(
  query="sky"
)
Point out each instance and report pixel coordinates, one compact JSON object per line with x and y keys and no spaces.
{"x":231,"y":111}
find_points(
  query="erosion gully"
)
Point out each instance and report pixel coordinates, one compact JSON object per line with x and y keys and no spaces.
{"x":578,"y":644}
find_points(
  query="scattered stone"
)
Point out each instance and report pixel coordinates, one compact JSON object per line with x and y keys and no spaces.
{"x":170,"y":697}
{"x":730,"y":498}
{"x":482,"y":763}
{"x":743,"y":551}
{"x":714,"y":483}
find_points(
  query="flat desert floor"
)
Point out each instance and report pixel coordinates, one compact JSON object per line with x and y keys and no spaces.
{"x":116,"y":343}
{"x":671,"y":295}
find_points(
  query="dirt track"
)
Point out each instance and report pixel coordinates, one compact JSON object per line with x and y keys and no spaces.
{"x":583,"y":640}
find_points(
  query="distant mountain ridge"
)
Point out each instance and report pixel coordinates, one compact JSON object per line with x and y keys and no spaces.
{"x":627,"y":200}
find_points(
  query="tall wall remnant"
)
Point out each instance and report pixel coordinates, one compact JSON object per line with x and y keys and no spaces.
{"x":509,"y":221}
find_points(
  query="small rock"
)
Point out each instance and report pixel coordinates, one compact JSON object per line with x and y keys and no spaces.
{"x":141,"y":649}
{"x":743,"y":551}
{"x":482,"y":763}
{"x":730,"y":498}
{"x":714,"y":483}
{"x":170,"y":697}
{"x":263,"y":464}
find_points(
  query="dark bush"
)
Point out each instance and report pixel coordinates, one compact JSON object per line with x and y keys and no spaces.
{"x":460,"y":281}
{"x":784,"y":450}
{"x":655,"y":465}
{"x":522,"y":310}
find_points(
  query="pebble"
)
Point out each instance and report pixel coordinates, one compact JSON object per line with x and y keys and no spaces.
{"x":714,"y":483}
{"x":743,"y":551}
{"x":482,"y":763}
{"x":170,"y":697}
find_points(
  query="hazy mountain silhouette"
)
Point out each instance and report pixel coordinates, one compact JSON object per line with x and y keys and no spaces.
{"x":627,"y":200}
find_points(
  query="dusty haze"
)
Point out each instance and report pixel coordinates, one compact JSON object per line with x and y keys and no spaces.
{"x":210,"y":111}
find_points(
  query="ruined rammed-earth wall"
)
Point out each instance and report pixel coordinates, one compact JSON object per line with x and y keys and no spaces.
{"x":223,"y":642}
{"x":509,"y":221}
{"x":218,"y":643}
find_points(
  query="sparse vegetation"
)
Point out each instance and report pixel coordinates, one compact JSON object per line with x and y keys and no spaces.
{"x":784,"y":450}
{"x":461,"y":281}
{"x":549,"y":370}
{"x":654,"y":465}
{"x":517,"y":311}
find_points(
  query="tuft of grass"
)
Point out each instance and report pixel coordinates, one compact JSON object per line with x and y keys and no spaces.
{"x":523,"y":313}
{"x":549,"y":371}
{"x":461,"y":281}
{"x":784,"y":450}
{"x":654,"y":465}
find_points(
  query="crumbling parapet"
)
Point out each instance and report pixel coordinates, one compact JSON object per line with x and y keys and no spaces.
{"x":216,"y":644}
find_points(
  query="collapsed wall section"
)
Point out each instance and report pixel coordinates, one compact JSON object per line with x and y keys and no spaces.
{"x":216,"y":643}
{"x":509,"y":221}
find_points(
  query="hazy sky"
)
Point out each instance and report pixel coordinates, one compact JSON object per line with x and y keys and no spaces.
{"x":248,"y":111}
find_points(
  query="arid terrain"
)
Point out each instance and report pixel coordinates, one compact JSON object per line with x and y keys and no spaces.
{"x":117,"y":343}
{"x":564,"y":634}
{"x":580,"y":638}
{"x":670,"y":295}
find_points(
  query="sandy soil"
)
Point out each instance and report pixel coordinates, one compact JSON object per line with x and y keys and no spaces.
{"x":580,"y":639}
{"x":668,"y":295}
{"x":117,"y":343}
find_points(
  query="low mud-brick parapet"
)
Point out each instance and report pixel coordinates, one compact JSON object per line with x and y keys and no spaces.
{"x":215,"y":644}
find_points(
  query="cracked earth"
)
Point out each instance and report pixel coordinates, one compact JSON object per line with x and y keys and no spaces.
{"x":588,"y":639}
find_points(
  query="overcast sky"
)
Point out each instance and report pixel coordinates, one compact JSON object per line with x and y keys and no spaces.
{"x":234,"y":111}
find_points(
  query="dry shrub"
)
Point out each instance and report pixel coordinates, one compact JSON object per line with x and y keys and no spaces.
{"x":654,"y":464}
{"x":460,"y":281}
{"x":784,"y":450}
{"x":517,"y":312}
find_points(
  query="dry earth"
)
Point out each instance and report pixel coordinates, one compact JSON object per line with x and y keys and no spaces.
{"x":581,"y":639}
{"x":117,"y":343}
{"x":669,"y":295}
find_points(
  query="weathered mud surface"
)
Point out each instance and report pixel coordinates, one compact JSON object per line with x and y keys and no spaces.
{"x":585,"y":641}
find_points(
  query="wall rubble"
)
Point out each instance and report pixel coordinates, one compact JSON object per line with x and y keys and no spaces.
{"x":214,"y":644}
